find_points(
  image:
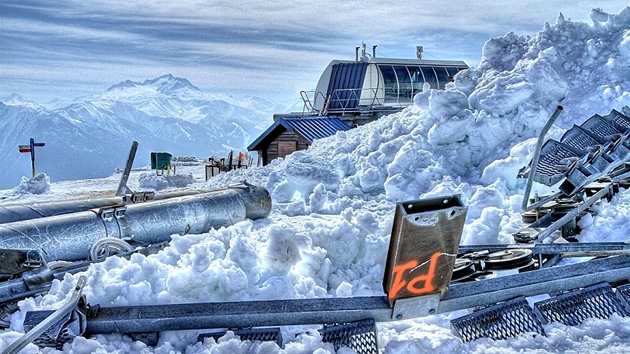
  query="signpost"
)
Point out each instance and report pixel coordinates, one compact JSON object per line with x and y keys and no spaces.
{"x":31,"y":148}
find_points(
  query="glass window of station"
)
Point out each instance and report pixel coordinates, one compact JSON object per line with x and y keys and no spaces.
{"x":402,"y":82}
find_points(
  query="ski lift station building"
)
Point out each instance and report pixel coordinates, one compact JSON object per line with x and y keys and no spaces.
{"x":355,"y":92}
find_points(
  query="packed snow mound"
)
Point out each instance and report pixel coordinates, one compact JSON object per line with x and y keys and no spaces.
{"x":36,"y":185}
{"x":479,"y":130}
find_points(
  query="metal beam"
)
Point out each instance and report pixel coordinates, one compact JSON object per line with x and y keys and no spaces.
{"x":551,"y":248}
{"x":139,"y":319}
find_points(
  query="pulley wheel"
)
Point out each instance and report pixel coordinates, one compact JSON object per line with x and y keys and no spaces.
{"x":463,"y":269}
{"x":508,"y":259}
{"x":530,"y":217}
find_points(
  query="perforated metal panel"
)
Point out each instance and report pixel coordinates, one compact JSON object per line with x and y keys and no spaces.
{"x":555,"y":160}
{"x":623,"y":294}
{"x":271,"y":334}
{"x":507,"y":319}
{"x":358,"y":336}
{"x":577,"y":138}
{"x":571,"y":309}
{"x":618,"y":120}
{"x":603,"y":130}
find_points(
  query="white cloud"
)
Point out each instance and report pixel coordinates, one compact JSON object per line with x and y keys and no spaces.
{"x":265,"y":47}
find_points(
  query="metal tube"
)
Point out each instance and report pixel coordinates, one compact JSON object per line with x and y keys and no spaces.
{"x":539,"y":144}
{"x":70,"y":236}
{"x":17,"y":212}
{"x":122,"y":186}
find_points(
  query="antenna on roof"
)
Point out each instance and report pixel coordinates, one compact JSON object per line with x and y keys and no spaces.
{"x":364,"y":55}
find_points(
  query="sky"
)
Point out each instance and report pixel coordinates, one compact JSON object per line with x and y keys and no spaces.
{"x":65,"y":49}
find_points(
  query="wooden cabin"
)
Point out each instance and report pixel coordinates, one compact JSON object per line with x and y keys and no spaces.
{"x":289,"y":134}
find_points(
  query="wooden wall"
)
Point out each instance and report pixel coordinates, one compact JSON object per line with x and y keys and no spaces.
{"x":271,"y":150}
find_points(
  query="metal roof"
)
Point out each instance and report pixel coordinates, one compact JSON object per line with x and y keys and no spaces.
{"x":309,"y":128}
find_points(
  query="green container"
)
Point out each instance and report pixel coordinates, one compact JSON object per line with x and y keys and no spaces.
{"x":160,"y":160}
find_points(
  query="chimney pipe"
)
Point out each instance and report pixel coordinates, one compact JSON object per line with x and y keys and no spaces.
{"x":356,"y":55}
{"x":374,"y":51}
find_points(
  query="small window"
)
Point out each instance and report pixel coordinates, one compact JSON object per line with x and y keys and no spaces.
{"x":286,"y":147}
{"x":429,"y":76}
{"x":391,"y":83}
{"x":404,"y":84}
{"x":417,"y":79}
{"x":442,"y":75}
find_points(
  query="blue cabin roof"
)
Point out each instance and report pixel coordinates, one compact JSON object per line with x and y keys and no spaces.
{"x":309,"y":128}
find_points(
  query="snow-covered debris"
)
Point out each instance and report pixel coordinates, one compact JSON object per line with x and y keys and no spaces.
{"x":36,"y":185}
{"x":333,"y":207}
{"x":152,"y":181}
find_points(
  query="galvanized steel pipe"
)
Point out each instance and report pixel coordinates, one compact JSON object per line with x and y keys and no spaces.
{"x":70,"y":236}
{"x":17,"y":211}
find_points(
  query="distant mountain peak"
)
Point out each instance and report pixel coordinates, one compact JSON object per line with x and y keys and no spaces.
{"x":14,"y":97}
{"x":164,"y":84}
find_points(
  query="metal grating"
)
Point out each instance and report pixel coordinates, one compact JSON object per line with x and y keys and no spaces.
{"x":571,"y":309}
{"x":507,"y":319}
{"x":578,"y":139}
{"x":620,"y":121}
{"x":555,"y":160}
{"x":359,"y":336}
{"x":271,"y":334}
{"x":623,"y":294}
{"x":601,"y":129}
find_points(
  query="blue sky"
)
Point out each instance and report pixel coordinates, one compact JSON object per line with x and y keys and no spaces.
{"x":273,"y":49}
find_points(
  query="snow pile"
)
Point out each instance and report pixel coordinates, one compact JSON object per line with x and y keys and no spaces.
{"x":471,"y":138}
{"x":156,"y":182}
{"x":333,"y":204}
{"x":37,"y":185}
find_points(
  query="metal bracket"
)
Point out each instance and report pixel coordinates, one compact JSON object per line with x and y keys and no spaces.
{"x":17,"y":261}
{"x":414,"y":307}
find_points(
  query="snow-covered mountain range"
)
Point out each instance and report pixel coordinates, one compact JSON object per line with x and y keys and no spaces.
{"x":90,"y":136}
